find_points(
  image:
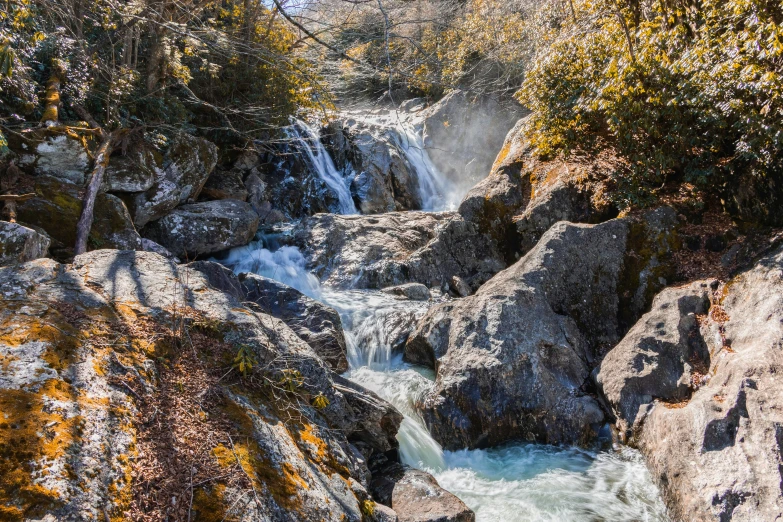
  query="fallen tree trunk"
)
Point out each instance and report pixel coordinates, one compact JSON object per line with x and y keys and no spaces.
{"x":93,"y":187}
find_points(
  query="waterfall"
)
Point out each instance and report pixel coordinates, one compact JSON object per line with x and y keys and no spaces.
{"x":434,"y":189}
{"x":309,"y":140}
{"x":513,"y":483}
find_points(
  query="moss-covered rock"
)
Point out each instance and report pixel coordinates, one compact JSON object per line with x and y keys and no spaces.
{"x":187,"y":164}
{"x":19,"y":244}
{"x":57,"y":207}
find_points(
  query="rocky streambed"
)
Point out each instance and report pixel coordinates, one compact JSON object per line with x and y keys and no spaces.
{"x":493,"y":348}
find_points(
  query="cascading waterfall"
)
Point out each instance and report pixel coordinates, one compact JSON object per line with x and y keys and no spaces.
{"x":513,"y":483}
{"x":309,"y":140}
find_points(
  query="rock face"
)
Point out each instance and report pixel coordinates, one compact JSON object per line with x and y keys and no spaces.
{"x":204,"y":228}
{"x":316,"y":323}
{"x":513,"y":360}
{"x":499,"y":220}
{"x":107,"y":403}
{"x":188,"y":163}
{"x":661,"y":357}
{"x":416,"y":496}
{"x":717,"y":452}
{"x":19,"y":244}
{"x":365,"y":251}
{"x":462,"y":135}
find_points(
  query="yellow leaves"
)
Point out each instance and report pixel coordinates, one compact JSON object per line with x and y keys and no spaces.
{"x":244,"y":360}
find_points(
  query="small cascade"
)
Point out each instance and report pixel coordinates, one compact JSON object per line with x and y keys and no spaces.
{"x":434,"y":189}
{"x":309,"y":140}
{"x":514,"y":483}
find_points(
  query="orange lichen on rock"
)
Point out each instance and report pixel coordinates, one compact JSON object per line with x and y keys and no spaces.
{"x":30,"y":434}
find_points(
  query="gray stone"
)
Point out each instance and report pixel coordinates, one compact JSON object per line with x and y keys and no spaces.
{"x":317,"y":324}
{"x":718,"y":456}
{"x":149,"y":245}
{"x":416,"y":496}
{"x":383,"y":180}
{"x":364,"y":251}
{"x":77,"y":370}
{"x":188,"y":163}
{"x":660,"y":358}
{"x":415,"y":291}
{"x":204,"y":228}
{"x":19,"y":244}
{"x":513,"y":360}
{"x":61,"y":157}
{"x":134,"y":172}
{"x":57,"y":208}
{"x":225,"y":184}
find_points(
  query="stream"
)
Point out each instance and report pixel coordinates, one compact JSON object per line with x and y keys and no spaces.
{"x":513,"y":483}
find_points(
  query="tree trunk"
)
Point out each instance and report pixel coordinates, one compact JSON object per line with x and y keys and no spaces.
{"x":52,"y":99}
{"x":93,"y":187}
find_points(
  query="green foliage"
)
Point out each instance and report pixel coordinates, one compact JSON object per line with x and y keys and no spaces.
{"x":291,"y":380}
{"x":244,"y":360}
{"x":700,"y":98}
{"x":320,"y":401}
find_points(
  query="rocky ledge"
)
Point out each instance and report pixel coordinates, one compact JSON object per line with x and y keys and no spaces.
{"x":131,"y":385}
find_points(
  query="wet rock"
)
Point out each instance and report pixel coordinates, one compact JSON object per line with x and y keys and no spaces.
{"x":463,"y":134}
{"x":188,"y":163}
{"x":661,"y":357}
{"x":416,"y":496}
{"x":135,"y":171}
{"x":77,"y":371}
{"x":317,"y":324}
{"x":225,"y":184}
{"x":384,"y":181}
{"x":19,"y":244}
{"x":513,"y":360}
{"x":717,"y":456}
{"x":57,"y":208}
{"x":415,"y":291}
{"x":364,"y":251}
{"x":204,"y":228}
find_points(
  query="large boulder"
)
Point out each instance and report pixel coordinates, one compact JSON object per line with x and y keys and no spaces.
{"x":513,"y":360}
{"x":661,"y":358}
{"x":716,"y":448}
{"x":204,"y":228}
{"x":416,"y":496}
{"x":463,"y":133}
{"x":58,"y":156}
{"x":19,"y":244}
{"x":188,"y":163}
{"x":133,"y":171}
{"x":117,"y":404}
{"x":57,"y":208}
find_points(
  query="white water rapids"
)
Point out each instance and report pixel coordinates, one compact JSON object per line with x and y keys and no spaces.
{"x":403,"y":132}
{"x":513,"y":483}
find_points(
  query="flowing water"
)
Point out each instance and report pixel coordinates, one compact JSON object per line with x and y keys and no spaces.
{"x":514,"y":483}
{"x":309,"y":140}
